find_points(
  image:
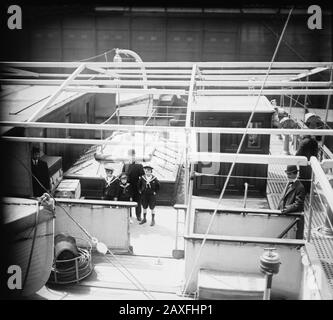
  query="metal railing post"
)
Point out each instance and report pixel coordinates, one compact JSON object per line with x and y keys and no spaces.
{"x":245,"y":193}
{"x":177,"y":223}
{"x":308,"y":237}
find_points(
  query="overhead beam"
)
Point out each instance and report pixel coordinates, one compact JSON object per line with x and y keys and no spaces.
{"x":104,"y":71}
{"x":94,"y":82}
{"x":20,"y":72}
{"x":187,"y":71}
{"x":64,"y":141}
{"x":246,"y":84}
{"x":232,"y":77}
{"x":138,"y":128}
{"x":249,"y":92}
{"x":180,"y":64}
{"x":310,"y":73}
{"x":129,"y":90}
{"x":247,"y":158}
{"x":171,"y":83}
{"x":56,"y":93}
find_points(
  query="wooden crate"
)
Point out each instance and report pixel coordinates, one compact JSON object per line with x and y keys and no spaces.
{"x":69,"y":188}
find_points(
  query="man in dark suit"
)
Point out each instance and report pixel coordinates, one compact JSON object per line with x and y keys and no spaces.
{"x":41,"y":176}
{"x":134,"y":172}
{"x":294,"y":193}
{"x":308,"y":147}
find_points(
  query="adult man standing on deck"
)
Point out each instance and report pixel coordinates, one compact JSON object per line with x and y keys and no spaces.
{"x":308,"y":147}
{"x":293,"y":194}
{"x":40,"y":172}
{"x":134,"y":172}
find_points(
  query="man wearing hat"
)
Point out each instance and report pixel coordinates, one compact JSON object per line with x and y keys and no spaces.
{"x":293,"y":194}
{"x":41,"y":176}
{"x":111,"y":185}
{"x":134,"y":172}
{"x":148,"y":187}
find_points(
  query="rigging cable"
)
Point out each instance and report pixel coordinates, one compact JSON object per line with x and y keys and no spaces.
{"x":234,"y":161}
{"x":134,"y":280}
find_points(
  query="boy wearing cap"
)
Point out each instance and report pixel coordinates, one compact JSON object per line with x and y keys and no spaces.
{"x":148,"y":187}
{"x":125,"y":189}
{"x":293,"y":194}
{"x":111,"y":186}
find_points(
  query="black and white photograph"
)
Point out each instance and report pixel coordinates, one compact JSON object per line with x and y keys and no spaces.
{"x":175,"y":153}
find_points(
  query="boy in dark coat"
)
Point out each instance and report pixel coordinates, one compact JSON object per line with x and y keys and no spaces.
{"x":125,"y":189}
{"x":111,"y":185}
{"x":148,"y":187}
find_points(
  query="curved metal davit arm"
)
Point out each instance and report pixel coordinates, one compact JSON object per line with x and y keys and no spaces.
{"x":137,"y":59}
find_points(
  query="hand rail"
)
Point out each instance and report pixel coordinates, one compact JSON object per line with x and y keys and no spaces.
{"x":126,"y":204}
{"x":178,"y":207}
{"x":245,"y":194}
{"x":284,"y":232}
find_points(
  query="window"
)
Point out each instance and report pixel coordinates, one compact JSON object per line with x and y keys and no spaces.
{"x":254,"y":140}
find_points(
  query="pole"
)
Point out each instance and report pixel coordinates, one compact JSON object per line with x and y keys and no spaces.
{"x":286,"y":140}
{"x":189,"y":203}
{"x":55,"y":95}
{"x":267,"y":292}
{"x":308,"y":237}
{"x":327,"y":106}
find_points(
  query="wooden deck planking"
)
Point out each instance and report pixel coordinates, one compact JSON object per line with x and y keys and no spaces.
{"x":162,"y":277}
{"x":323,"y":246}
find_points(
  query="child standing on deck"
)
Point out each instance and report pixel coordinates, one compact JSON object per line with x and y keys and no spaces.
{"x":125,"y":191}
{"x":148,"y":187}
{"x":111,"y":184}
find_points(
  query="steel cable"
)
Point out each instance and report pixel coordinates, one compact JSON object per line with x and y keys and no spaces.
{"x":237,"y":152}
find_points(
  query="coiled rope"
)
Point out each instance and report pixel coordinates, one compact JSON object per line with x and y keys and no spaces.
{"x":128,"y":274}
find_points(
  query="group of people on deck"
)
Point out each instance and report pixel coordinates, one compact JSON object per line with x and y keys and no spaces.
{"x":136,"y":183}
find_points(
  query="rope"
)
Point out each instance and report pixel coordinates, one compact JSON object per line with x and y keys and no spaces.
{"x":99,"y":55}
{"x":237,"y":152}
{"x":137,"y":284}
{"x":69,"y":274}
{"x":85,"y":232}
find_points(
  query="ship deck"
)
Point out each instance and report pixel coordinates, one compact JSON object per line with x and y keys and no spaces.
{"x":152,"y":261}
{"x":276,"y":183}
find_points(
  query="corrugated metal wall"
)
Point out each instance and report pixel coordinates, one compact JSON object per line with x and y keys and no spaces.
{"x":242,"y":37}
